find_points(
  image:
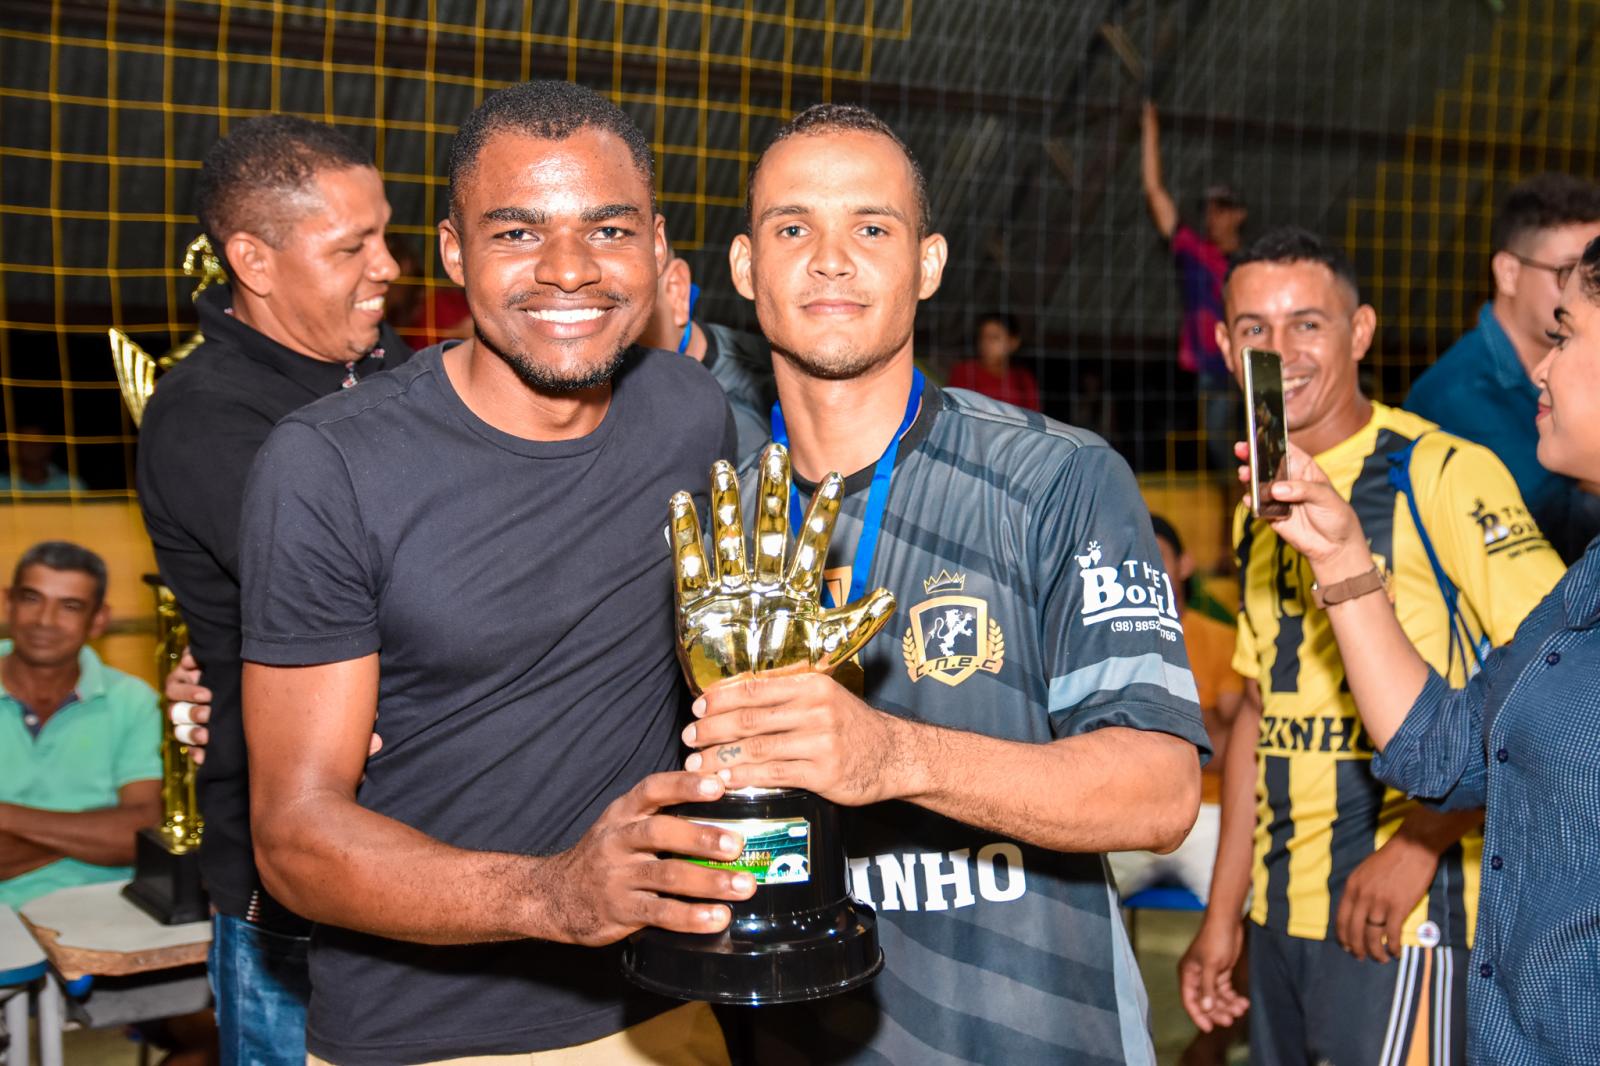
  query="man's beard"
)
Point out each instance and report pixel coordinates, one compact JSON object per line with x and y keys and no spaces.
{"x":834,"y":366}
{"x":541,"y":378}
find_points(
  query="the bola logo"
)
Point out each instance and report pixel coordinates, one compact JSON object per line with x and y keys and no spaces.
{"x":952,"y":636}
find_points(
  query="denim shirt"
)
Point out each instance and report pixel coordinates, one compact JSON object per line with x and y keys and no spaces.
{"x":1480,"y":390}
{"x":1522,"y":740}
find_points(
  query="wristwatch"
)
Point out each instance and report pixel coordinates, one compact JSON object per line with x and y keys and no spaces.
{"x":1350,"y":588}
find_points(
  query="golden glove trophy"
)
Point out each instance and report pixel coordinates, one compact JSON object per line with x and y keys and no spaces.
{"x":166,"y":879}
{"x":166,"y":870}
{"x":800,"y":936}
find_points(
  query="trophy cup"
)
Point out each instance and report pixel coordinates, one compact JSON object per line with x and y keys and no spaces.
{"x":800,"y":936}
{"x":166,"y":880}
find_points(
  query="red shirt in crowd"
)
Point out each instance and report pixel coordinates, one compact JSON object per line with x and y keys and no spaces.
{"x":1016,"y":386}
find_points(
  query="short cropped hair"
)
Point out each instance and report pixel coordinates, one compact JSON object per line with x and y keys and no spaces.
{"x":1166,"y":531}
{"x":549,"y":110}
{"x":68,"y":557}
{"x":836,"y":118}
{"x":1005,"y":319}
{"x":1544,"y":202}
{"x":246,"y":178}
{"x":1291,"y":244}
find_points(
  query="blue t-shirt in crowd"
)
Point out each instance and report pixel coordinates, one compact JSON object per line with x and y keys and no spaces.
{"x":1520,"y":741}
{"x":1480,"y":390}
{"x":519,"y":597}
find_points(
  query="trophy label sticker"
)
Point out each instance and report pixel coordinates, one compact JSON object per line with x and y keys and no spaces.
{"x":777,"y":851}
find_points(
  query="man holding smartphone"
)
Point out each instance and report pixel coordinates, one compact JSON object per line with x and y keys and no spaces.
{"x":1363,"y":900}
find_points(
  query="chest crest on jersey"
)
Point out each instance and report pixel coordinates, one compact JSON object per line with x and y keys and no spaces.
{"x":952,"y":635}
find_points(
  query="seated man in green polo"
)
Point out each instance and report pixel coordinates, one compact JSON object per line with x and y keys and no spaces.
{"x":80,"y":743}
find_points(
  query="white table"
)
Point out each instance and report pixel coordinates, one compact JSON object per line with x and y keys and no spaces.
{"x":92,"y":929}
{"x":22,"y":963}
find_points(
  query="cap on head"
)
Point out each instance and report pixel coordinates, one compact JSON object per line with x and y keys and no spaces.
{"x":549,"y":110}
{"x":1224,"y":196}
{"x":1544,"y":202}
{"x":263,"y":164}
{"x":842,"y":118}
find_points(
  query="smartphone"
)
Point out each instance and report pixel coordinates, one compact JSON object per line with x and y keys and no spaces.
{"x":1268,"y":430}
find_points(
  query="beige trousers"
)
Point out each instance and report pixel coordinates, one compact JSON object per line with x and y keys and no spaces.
{"x":684,"y":1036}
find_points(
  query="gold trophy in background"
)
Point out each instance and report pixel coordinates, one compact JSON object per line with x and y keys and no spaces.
{"x":800,"y":936}
{"x":166,"y":879}
{"x":166,"y":871}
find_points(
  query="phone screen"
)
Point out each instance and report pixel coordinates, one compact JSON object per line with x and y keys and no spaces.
{"x":1269,"y":431}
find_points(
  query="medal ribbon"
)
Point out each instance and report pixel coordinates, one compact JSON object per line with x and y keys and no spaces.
{"x":877,"y":497}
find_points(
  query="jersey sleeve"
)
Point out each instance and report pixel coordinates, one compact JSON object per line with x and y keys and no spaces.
{"x":308,"y":594}
{"x":138,"y":754}
{"x":1185,"y":243}
{"x":1111,"y":639}
{"x":1487,"y":541}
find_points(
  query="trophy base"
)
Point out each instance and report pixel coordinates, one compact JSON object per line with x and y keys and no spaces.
{"x":166,"y":885}
{"x":760,"y":961}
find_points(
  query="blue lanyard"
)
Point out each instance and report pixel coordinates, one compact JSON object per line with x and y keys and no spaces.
{"x":877,"y":497}
{"x":688,"y":327}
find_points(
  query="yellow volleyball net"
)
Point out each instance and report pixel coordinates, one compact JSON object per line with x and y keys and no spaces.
{"x":1391,"y":127}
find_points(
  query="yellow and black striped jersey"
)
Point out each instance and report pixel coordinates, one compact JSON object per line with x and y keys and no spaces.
{"x":1319,"y":810}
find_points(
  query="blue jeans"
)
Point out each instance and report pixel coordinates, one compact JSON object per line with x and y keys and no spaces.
{"x":261,"y":985}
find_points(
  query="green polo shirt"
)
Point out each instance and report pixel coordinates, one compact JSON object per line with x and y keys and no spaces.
{"x":110,"y":736}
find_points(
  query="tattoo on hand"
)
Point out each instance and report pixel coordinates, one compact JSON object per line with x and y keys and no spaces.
{"x":730,"y":754}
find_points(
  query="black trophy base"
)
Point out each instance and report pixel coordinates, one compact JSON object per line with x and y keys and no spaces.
{"x":799,"y":937}
{"x":166,"y":885}
{"x":758,"y":962}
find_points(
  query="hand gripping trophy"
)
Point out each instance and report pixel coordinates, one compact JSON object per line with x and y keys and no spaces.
{"x":800,"y":936}
{"x":166,"y":880}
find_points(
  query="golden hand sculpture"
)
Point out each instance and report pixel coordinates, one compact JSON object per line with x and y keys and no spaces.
{"x":735,"y":621}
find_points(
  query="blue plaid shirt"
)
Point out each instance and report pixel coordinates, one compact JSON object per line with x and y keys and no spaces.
{"x":1522,"y":740}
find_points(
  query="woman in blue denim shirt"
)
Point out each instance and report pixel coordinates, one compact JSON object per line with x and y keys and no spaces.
{"x":1522,"y":739}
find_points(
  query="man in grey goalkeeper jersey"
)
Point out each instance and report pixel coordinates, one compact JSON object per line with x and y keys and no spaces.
{"x":1029,"y":709}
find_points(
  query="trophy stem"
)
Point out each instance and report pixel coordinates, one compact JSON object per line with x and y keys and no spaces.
{"x":166,"y":882}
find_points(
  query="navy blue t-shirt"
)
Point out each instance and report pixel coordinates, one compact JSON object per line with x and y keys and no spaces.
{"x":518,"y":595}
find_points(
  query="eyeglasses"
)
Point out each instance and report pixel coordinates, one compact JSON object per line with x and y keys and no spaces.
{"x":1562,"y":271}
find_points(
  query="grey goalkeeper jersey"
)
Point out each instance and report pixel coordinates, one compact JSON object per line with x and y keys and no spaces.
{"x":1031,"y":606}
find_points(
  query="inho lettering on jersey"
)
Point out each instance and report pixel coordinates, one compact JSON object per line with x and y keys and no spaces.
{"x":939,"y":880}
{"x":952,"y":636}
{"x":1133,"y":595}
{"x":1334,"y":734}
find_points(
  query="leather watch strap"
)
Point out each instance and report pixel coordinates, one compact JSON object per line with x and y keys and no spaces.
{"x":1348,"y":589}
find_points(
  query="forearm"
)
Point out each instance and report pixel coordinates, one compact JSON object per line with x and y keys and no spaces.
{"x":1436,"y":831}
{"x":1383,"y":669}
{"x":102,"y":837}
{"x":329,"y":859}
{"x":1114,"y":789}
{"x":1162,"y":210}
{"x":1230,"y":877}
{"x":19,"y":856}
